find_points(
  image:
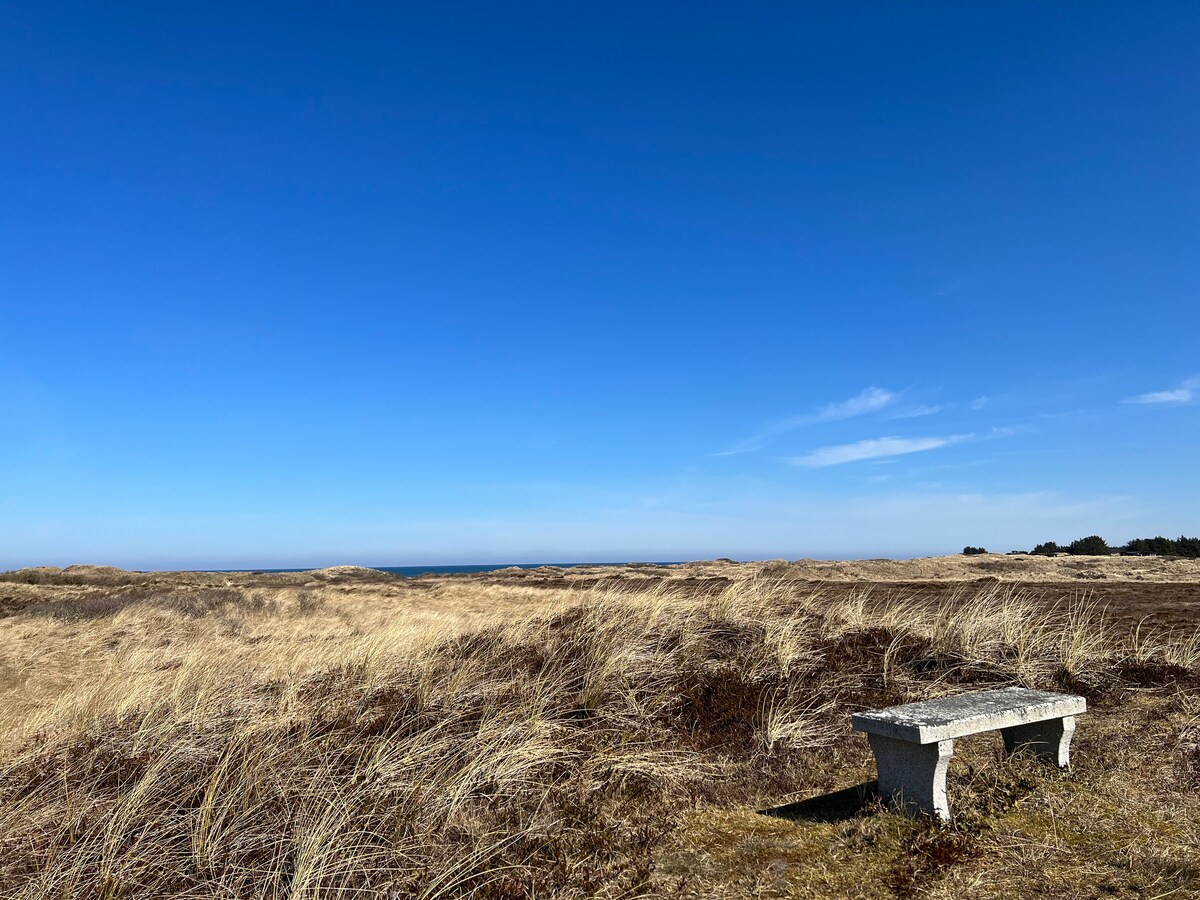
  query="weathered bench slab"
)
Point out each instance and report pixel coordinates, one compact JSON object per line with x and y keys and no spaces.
{"x":913,"y":743}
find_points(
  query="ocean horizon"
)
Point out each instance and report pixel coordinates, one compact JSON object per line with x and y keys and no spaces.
{"x":414,"y":571}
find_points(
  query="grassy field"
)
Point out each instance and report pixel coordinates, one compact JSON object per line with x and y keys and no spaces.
{"x":616,"y":733}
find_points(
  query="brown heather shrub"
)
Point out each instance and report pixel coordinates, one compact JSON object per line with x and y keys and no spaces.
{"x":515,"y":742}
{"x":195,"y":603}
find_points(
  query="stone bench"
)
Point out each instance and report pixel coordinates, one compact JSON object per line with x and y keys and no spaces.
{"x":913,"y":743}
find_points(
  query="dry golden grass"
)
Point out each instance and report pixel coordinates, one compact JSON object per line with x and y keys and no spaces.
{"x":347,"y":734}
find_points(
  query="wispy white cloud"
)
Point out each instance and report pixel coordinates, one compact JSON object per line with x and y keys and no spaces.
{"x":1185,"y":393}
{"x":978,"y":403}
{"x":914,"y":412}
{"x":870,"y":400}
{"x":875,"y":448}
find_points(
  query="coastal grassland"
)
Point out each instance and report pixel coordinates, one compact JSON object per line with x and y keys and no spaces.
{"x":348,"y":734}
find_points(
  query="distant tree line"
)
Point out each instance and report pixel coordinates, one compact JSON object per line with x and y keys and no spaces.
{"x":1094,"y":545}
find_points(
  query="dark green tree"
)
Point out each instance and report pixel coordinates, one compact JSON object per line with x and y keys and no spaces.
{"x":1188,"y":546}
{"x":1155,"y":546}
{"x":1092,"y":545}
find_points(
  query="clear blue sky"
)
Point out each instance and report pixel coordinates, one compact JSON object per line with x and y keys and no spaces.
{"x":302,"y":284}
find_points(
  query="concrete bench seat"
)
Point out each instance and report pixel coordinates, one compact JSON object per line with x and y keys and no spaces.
{"x":913,"y":743}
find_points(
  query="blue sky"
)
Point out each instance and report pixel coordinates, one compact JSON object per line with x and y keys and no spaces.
{"x":303,"y":284}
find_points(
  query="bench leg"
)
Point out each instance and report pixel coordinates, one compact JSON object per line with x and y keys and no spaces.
{"x":1049,"y":740}
{"x":913,"y":776}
